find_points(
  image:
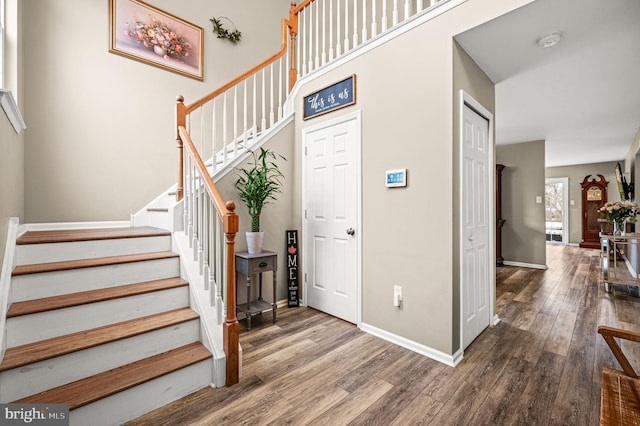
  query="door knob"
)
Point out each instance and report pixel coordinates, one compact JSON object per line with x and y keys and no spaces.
{"x":470,"y":237}
{"x":351,"y":231}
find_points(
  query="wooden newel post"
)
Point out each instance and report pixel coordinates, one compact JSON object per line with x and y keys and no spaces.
{"x":231,"y":327}
{"x":181,"y":121}
{"x":293,"y":31}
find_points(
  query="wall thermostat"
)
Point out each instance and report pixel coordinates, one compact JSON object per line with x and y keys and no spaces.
{"x":396,"y":178}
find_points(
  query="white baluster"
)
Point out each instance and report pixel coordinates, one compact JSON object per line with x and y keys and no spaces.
{"x":244,"y":115}
{"x":331,"y":51}
{"x":302,"y":36}
{"x":364,"y":20}
{"x":224,"y":129}
{"x":395,"y":13}
{"x":384,"y":16}
{"x":317,"y":14}
{"x":263,"y":117}
{"x":407,"y":9}
{"x":324,"y":32}
{"x":338,"y":25}
{"x":280,"y":87}
{"x":420,"y":6}
{"x":355,"y":23}
{"x":310,"y":35}
{"x":374,"y":18}
{"x":235,"y":121}
{"x":255,"y":114}
{"x":346,"y":26}
{"x":271,"y":111}
{"x":214,"y":164}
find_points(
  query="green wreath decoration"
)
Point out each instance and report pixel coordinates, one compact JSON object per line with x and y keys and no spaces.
{"x":233,"y":36}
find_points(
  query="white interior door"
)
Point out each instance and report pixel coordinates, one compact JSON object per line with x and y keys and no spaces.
{"x":477,"y":172}
{"x":331,"y":204}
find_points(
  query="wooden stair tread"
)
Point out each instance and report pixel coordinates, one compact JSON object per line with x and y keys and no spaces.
{"x":74,"y":235}
{"x":102,"y":385}
{"x":50,"y":348}
{"x":92,"y":296}
{"x":88,"y":263}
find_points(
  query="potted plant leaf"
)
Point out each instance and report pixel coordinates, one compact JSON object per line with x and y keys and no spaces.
{"x":258,"y":185}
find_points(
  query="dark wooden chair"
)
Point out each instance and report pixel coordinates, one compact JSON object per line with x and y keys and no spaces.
{"x":620,"y":396}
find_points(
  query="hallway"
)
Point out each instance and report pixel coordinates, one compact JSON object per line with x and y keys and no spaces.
{"x":540,"y":365}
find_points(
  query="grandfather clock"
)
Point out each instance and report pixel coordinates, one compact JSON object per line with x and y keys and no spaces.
{"x":594,"y":196}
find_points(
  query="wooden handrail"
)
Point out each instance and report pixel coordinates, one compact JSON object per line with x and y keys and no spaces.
{"x":226,"y":211}
{"x":283,"y":49}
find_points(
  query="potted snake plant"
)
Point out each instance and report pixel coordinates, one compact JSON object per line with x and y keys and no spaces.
{"x":257,"y":185}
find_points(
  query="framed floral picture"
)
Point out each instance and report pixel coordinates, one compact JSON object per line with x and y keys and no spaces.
{"x":147,"y":34}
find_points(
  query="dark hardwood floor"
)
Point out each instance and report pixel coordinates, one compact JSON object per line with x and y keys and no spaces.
{"x":541,"y":365}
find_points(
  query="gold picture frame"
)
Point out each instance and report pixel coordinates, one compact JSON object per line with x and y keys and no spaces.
{"x":147,"y":34}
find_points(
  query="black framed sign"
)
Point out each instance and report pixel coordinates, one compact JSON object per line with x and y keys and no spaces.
{"x":338,"y":95}
{"x":292,"y":267}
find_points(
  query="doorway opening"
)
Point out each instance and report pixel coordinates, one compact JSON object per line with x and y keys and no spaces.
{"x":556,"y":196}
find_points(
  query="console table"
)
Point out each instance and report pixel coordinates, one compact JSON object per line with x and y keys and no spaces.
{"x":250,"y":265}
{"x":619,"y":259}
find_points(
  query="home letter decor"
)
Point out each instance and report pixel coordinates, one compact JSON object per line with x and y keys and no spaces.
{"x":292,"y":267}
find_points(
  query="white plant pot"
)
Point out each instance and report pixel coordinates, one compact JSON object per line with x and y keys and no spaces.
{"x":254,"y":242}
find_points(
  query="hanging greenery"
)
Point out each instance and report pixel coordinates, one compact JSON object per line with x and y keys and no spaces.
{"x":233,"y":36}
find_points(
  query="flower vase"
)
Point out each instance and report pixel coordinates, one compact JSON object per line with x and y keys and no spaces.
{"x":158,"y":50}
{"x":618,"y":227}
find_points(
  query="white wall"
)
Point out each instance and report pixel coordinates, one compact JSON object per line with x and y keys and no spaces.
{"x":100,"y":142}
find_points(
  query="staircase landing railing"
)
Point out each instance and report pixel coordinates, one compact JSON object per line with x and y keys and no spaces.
{"x":227,"y":122}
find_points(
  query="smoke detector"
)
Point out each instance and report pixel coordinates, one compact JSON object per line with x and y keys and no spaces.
{"x":549,"y":40}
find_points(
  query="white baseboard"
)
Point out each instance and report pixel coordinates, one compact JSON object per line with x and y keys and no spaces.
{"x":73,"y":225}
{"x":450,"y":360}
{"x":574,"y":244}
{"x":525,"y":265}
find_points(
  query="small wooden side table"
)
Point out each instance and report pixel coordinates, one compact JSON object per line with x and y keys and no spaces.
{"x":249,"y":265}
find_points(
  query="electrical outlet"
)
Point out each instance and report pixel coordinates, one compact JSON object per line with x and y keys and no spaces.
{"x":397,"y":295}
{"x":539,"y":199}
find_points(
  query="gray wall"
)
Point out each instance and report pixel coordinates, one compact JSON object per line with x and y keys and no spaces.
{"x":523,"y":179}
{"x":11,"y":144}
{"x":276,"y":217}
{"x":407,"y":121}
{"x":576,"y":175}
{"x":100,"y":142}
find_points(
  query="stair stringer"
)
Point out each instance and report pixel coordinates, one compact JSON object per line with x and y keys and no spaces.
{"x":8,"y":263}
{"x":199,"y":301}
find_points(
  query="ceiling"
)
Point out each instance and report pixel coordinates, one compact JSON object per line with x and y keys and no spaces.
{"x":582,"y":96}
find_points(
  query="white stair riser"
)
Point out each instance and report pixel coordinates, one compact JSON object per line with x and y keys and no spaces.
{"x":158,"y":219}
{"x":55,"y":252}
{"x":134,"y":402}
{"x":36,"y":286}
{"x":47,"y":374}
{"x":45,"y":325}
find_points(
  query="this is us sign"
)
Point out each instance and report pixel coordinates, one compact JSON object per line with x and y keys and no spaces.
{"x":338,"y":95}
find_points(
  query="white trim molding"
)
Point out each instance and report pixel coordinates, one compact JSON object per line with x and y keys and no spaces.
{"x":434,"y":354}
{"x":525,"y":265}
{"x":10,"y":108}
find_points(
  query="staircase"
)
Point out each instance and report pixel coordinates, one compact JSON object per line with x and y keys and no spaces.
{"x":100,"y":319}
